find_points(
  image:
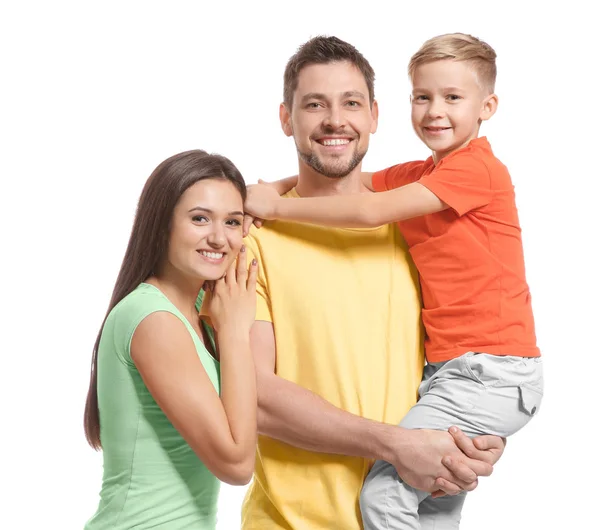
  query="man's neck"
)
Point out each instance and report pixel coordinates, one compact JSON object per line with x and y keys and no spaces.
{"x":313,"y":184}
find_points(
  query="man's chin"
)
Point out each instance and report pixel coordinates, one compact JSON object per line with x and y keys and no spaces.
{"x":331,"y":170}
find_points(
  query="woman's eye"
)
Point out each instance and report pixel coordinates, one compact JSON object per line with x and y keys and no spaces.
{"x":199,"y":219}
{"x":234,"y":222}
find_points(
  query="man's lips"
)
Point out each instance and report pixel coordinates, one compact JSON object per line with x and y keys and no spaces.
{"x":329,"y":142}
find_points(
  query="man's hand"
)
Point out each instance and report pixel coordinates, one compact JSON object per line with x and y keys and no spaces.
{"x":487,"y":449}
{"x":417,"y":456}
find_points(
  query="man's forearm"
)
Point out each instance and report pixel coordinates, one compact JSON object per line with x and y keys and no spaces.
{"x":297,"y":416}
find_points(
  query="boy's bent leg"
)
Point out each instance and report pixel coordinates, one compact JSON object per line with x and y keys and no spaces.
{"x":386,"y":503}
{"x":441,"y":513}
{"x":479,"y":394}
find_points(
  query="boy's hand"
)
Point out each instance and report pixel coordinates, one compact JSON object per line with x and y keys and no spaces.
{"x":281,"y":187}
{"x":261,"y":201}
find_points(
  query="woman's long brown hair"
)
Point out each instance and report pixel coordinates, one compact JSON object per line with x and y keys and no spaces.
{"x":149,"y":242}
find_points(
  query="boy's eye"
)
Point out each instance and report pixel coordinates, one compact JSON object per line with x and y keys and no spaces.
{"x":453,"y":97}
{"x":421,"y":98}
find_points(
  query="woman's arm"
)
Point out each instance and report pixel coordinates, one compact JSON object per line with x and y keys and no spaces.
{"x":220,"y":430}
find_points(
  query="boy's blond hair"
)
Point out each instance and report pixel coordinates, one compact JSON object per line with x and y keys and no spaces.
{"x":459,"y":47}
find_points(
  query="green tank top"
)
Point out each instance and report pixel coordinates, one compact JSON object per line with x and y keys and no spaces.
{"x":152,"y":478}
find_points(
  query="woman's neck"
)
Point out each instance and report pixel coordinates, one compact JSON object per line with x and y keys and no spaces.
{"x":181,"y":291}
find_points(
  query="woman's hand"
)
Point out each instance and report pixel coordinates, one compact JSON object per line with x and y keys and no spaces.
{"x":232,"y":301}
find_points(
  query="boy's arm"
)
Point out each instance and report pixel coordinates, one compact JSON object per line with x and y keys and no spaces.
{"x":350,"y":211}
{"x":299,"y":417}
{"x":367,"y":179}
{"x":282,"y":186}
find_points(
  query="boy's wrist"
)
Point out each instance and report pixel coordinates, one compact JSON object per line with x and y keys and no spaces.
{"x":277,"y":209}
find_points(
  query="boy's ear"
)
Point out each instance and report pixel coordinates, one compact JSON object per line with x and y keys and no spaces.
{"x":488,"y":109}
{"x":286,"y":120}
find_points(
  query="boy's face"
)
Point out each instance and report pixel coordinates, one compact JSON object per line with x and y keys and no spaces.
{"x":448,"y":105}
{"x":331,"y":118}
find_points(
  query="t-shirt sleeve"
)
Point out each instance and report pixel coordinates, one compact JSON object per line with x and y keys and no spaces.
{"x":129,"y":316}
{"x":263,"y":300}
{"x":396,"y":176}
{"x":462,"y":182}
{"x":263,"y":304}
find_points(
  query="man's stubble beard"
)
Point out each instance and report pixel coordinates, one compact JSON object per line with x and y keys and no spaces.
{"x":334,"y":171}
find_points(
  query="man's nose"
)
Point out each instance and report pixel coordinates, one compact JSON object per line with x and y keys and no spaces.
{"x":334,"y":118}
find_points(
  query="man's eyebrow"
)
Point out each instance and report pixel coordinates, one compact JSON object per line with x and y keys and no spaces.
{"x":208,"y":210}
{"x":313,"y":95}
{"x":354,"y":94}
{"x":348,"y":94}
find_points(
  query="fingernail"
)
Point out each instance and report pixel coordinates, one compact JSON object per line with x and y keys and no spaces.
{"x":453,"y":430}
{"x":447,"y":461}
{"x":243,"y":249}
{"x":254,"y":262}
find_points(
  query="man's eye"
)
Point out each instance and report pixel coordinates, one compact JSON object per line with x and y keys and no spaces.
{"x":353,"y":103}
{"x":313,"y":105}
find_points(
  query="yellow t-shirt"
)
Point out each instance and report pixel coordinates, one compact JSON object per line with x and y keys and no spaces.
{"x":346,"y":309}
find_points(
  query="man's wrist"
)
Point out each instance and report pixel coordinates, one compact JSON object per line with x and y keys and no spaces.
{"x":384,"y":441}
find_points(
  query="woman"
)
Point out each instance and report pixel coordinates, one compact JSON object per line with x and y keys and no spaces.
{"x":172,"y":406}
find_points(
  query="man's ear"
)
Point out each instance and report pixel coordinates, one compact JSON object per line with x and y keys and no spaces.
{"x":375,"y":114}
{"x":489,"y":107}
{"x":285,"y":118}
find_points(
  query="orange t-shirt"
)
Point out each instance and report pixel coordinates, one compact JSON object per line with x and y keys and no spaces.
{"x":469,"y":256}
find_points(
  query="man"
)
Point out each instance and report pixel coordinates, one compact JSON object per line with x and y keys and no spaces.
{"x":338,"y":338}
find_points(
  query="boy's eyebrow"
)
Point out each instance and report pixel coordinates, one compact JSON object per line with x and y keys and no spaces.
{"x":445,"y":89}
{"x":208,"y":210}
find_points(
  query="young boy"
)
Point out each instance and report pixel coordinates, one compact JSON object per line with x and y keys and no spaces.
{"x":457,"y":213}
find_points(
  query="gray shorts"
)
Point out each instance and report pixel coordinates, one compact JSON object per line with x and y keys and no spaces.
{"x":478,"y":392}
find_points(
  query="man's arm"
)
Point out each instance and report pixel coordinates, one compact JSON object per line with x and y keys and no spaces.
{"x":350,"y":211}
{"x":297,"y":416}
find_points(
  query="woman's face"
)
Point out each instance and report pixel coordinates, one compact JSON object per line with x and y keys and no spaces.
{"x":206,"y":230}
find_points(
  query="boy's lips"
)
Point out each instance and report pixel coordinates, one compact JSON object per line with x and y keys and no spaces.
{"x":436,"y":130}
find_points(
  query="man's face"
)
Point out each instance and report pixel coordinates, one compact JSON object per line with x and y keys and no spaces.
{"x":331,"y":118}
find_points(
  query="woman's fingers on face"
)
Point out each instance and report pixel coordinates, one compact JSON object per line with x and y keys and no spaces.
{"x":242,"y":266}
{"x":231,"y":273}
{"x":252,"y":275}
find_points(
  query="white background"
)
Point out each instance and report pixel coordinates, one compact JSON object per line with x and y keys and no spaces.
{"x":95,"y":94}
